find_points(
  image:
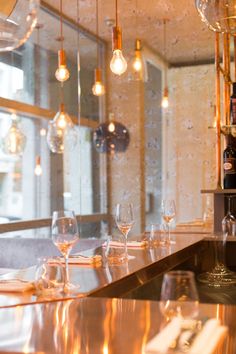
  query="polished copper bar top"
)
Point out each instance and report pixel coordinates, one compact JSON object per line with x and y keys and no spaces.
{"x":95,"y":326}
{"x":114,"y":280}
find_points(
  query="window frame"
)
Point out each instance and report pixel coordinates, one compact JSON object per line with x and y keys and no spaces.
{"x":35,"y":112}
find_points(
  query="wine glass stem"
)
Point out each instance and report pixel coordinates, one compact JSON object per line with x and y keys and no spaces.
{"x":168,"y":230}
{"x":66,"y":280}
{"x":126,"y":250}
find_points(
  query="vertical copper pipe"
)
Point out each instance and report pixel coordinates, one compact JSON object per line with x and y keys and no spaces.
{"x":226,"y":62}
{"x":234,"y":58}
{"x":217,"y":112}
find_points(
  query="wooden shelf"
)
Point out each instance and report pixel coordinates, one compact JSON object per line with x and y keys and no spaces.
{"x":219,"y":191}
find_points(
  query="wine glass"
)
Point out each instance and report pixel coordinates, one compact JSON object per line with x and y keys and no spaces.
{"x":65,"y":235}
{"x":229,"y":221}
{"x":179,"y":296}
{"x":125,"y":220}
{"x":168,"y":211}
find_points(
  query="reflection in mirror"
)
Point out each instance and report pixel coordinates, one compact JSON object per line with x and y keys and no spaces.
{"x":69,"y":181}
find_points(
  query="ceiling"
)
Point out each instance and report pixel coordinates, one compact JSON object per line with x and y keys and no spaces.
{"x":188,"y":39}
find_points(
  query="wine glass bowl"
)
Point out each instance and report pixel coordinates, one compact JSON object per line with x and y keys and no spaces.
{"x":65,"y":235}
{"x":168,"y":212}
{"x":125,"y":220}
{"x":179,"y":296}
{"x":229,"y":221}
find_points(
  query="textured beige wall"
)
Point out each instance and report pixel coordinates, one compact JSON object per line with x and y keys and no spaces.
{"x":126,"y":169}
{"x":191,"y":144}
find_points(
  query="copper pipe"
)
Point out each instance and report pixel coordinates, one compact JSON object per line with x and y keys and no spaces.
{"x":226,"y":62}
{"x":234,"y":58}
{"x":217,"y":110}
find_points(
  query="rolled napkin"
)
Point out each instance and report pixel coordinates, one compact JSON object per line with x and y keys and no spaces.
{"x":209,"y":337}
{"x":15,"y":285}
{"x":130,"y":244}
{"x":86,"y":260}
{"x":162,"y":341}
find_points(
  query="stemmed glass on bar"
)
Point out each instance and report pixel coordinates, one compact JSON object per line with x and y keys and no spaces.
{"x":168,"y":211}
{"x":125,"y":220}
{"x":65,"y":235}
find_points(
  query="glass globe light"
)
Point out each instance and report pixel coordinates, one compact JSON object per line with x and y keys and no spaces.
{"x":111,"y":137}
{"x":219,"y":15}
{"x":14,"y":141}
{"x":61,"y":133}
{"x":18,"y":18}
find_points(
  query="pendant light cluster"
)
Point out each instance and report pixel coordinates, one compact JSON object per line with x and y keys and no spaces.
{"x":61,"y":130}
{"x":165,"y":97}
{"x":98,"y":88}
{"x":118,"y":64}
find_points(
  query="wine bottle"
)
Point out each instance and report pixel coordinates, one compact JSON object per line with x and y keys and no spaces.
{"x":229,"y":164}
{"x":233,"y":105}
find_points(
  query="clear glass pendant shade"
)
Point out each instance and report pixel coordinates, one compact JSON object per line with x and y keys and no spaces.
{"x":14,"y":141}
{"x":61,"y":133}
{"x":111,"y":137}
{"x":18,"y":18}
{"x":219,"y":15}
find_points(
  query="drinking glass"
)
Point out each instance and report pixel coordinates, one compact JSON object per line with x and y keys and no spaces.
{"x":179,"y":296}
{"x":168,"y":211}
{"x":115,"y":249}
{"x":65,"y":235}
{"x":125,"y":220}
{"x":49,"y":277}
{"x":155,"y":235}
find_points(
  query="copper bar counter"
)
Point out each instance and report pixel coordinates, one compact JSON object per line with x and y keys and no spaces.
{"x":116,"y":281}
{"x":94,"y":326}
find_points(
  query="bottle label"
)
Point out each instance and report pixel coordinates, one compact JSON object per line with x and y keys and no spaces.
{"x":233,"y":110}
{"x":229,"y":165}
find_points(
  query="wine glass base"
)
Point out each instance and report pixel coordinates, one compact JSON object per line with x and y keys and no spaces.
{"x":220,"y":276}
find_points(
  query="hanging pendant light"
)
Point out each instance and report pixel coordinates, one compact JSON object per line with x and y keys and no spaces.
{"x":165,"y":97}
{"x":98,"y":88}
{"x":61,"y":132}
{"x":62,"y":73}
{"x":38,"y":168}
{"x":137,"y":63}
{"x":18,"y":18}
{"x":14,"y":141}
{"x":118,"y":64}
{"x":219,"y":15}
{"x":111,"y":137}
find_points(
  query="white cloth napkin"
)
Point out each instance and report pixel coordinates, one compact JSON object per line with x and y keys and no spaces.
{"x":86,"y":260}
{"x":162,"y":341}
{"x":130,"y":244}
{"x":15,"y":285}
{"x":207,"y":340}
